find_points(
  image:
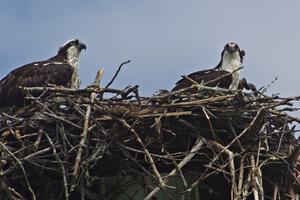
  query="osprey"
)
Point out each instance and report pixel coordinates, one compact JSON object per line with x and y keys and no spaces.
{"x":60,"y":70}
{"x":225,"y":75}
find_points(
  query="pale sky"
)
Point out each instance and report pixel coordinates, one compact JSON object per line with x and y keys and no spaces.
{"x":163,"y":38}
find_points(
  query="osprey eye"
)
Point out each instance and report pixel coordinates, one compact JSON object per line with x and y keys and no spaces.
{"x":75,"y":42}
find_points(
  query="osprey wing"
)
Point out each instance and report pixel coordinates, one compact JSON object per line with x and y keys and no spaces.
{"x":212,"y":77}
{"x":36,"y":74}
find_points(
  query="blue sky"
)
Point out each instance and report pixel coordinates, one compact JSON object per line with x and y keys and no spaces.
{"x":164,"y":38}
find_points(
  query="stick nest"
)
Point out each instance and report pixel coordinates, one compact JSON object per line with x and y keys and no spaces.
{"x":97,"y":143}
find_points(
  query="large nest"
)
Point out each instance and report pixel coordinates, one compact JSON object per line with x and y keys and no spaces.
{"x":213,"y":144}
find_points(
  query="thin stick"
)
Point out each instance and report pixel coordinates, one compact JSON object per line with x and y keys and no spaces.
{"x":234,"y":189}
{"x":256,"y":180}
{"x":178,"y":169}
{"x":64,"y":174}
{"x":63,"y":90}
{"x":199,"y":102}
{"x":148,"y":155}
{"x":235,"y":135}
{"x":252,"y":124}
{"x":210,"y":124}
{"x":183,"y":162}
{"x":85,"y":131}
{"x":275,"y":192}
{"x":19,"y":163}
{"x":5,"y":188}
{"x":98,"y":77}
{"x":116,"y":74}
{"x":223,"y":76}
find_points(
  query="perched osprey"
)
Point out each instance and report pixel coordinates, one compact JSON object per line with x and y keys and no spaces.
{"x":225,"y":74}
{"x":61,"y":70}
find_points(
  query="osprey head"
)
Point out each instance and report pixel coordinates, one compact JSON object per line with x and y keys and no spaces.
{"x":71,"y":50}
{"x":233,"y":49}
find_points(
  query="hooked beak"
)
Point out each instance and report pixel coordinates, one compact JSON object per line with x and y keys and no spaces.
{"x":231,"y":49}
{"x":82,"y":46}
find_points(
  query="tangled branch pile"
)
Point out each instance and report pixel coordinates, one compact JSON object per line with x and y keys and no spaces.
{"x":214,"y":144}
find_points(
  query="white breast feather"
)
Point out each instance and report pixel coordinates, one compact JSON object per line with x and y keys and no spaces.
{"x":73,"y":56}
{"x":73,"y":60}
{"x":230,"y":63}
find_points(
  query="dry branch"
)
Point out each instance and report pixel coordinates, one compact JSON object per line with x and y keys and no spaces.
{"x":183,"y":162}
{"x":83,"y":136}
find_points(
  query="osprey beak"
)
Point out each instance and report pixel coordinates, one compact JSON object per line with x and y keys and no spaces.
{"x":231,"y":49}
{"x":82,"y":46}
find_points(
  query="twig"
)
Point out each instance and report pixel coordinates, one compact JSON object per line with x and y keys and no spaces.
{"x":216,"y":89}
{"x":260,"y":112}
{"x":9,"y":192}
{"x":116,"y":74}
{"x":235,"y":135}
{"x":223,"y":76}
{"x":84,"y":132}
{"x":64,"y":174}
{"x":183,"y":162}
{"x":264,"y":89}
{"x":37,"y":153}
{"x":294,"y":157}
{"x":63,"y":120}
{"x":241,"y":177}
{"x":19,"y":163}
{"x":256,"y":180}
{"x":199,"y":102}
{"x":210,"y":124}
{"x":169,"y":114}
{"x":234,"y":188}
{"x":178,"y":169}
{"x":148,"y":155}
{"x":275,"y":192}
{"x":98,"y":78}
{"x":63,"y":90}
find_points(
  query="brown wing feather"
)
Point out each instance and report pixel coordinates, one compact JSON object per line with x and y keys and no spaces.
{"x":32,"y":75}
{"x":205,"y":76}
